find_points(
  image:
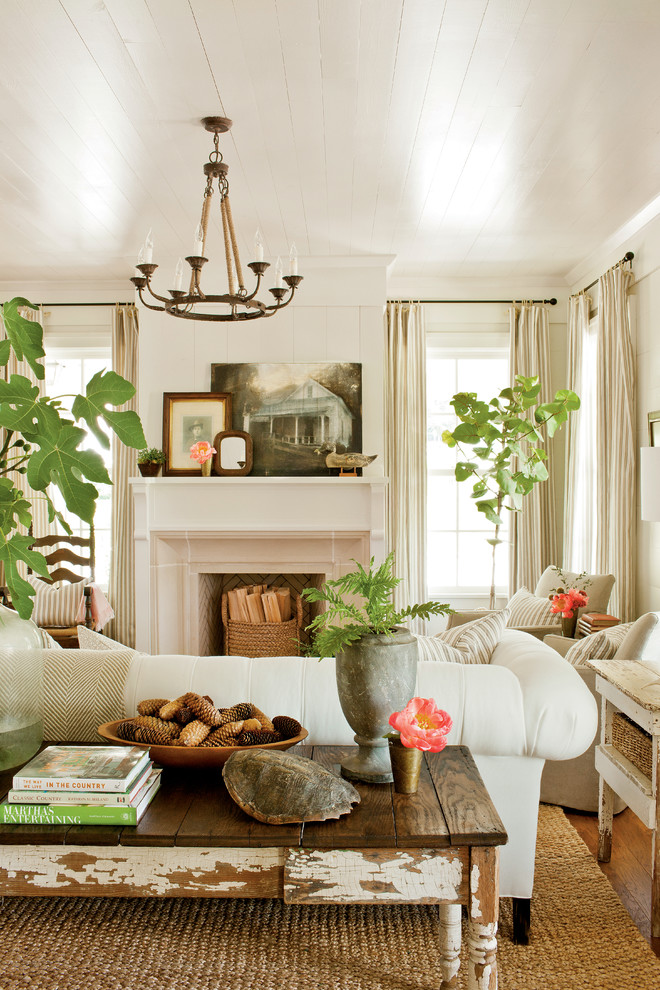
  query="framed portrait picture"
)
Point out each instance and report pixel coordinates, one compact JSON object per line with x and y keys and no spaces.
{"x":187,"y":418}
{"x":654,"y":428}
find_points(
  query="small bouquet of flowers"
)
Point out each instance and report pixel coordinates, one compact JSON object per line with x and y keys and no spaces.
{"x":568,"y":602}
{"x":421,"y":726}
{"x":202,"y":452}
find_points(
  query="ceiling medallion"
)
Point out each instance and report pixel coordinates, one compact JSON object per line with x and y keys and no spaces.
{"x":244,"y":305}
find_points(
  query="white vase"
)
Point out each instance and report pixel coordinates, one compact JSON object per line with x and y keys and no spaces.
{"x":21,"y":684}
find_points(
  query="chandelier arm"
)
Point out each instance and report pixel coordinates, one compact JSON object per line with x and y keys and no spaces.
{"x":228,"y":259}
{"x":155,"y":295}
{"x":256,"y":289}
{"x":234,"y":244}
{"x":159,"y":309}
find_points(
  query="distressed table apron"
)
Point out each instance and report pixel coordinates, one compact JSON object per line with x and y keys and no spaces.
{"x":438,"y":846}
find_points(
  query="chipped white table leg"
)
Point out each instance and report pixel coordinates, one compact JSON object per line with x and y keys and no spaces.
{"x":605,"y":792}
{"x":483,"y":912}
{"x":449,"y":917}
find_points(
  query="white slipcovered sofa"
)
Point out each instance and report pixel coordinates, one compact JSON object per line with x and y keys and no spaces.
{"x":524,"y":707}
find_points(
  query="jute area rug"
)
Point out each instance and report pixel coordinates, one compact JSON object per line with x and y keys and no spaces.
{"x":582,"y":938}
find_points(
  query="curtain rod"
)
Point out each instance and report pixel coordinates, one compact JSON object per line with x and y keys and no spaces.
{"x":547,"y":302}
{"x":628,"y":256}
{"x":115,"y":303}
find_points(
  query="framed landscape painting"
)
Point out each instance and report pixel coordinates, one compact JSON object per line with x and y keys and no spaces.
{"x":187,"y":418}
{"x":295,"y":413}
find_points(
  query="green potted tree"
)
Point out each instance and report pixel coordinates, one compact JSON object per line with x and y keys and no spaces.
{"x":376,"y":658}
{"x":45,"y":442}
{"x":150,"y":461}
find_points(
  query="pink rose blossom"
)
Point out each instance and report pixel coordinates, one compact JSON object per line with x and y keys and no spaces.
{"x":567,"y":602}
{"x":202,"y":451}
{"x":422,"y":725}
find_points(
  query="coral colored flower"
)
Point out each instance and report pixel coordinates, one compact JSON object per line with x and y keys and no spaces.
{"x":568,"y":602}
{"x":202,"y":451}
{"x":422,"y":725}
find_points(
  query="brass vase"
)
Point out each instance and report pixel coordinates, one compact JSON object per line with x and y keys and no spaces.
{"x":206,"y":468}
{"x":406,"y":767}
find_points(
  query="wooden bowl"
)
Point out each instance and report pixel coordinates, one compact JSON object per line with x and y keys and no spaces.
{"x":191,"y":756}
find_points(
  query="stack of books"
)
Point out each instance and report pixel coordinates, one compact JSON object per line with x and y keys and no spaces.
{"x":82,"y":785}
{"x":592,"y":622}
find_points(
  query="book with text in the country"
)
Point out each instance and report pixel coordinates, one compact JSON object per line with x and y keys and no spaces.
{"x":82,"y":814}
{"x":57,"y":796}
{"x":82,"y":768}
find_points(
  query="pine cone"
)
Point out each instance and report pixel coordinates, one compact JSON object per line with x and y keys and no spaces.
{"x":286,"y":726}
{"x":203,"y":710}
{"x":167,"y":731}
{"x":241,"y":711}
{"x":168,"y":711}
{"x":224,"y":736}
{"x":183,"y":715}
{"x":258,"y":738}
{"x":265,"y":721}
{"x":126,"y":730}
{"x":151,"y":706}
{"x":194,"y":733}
{"x":152,"y":736}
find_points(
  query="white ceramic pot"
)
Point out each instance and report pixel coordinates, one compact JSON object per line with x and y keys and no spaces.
{"x":21,"y":689}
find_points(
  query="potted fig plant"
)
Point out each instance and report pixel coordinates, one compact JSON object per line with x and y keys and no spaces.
{"x":149,"y":461}
{"x":376,"y":658}
{"x":44,"y":441}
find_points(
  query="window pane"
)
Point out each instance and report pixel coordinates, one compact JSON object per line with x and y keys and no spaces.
{"x":485,"y":376}
{"x":440,"y":385}
{"x":475,"y":561}
{"x":441,"y":568}
{"x":441,"y":505}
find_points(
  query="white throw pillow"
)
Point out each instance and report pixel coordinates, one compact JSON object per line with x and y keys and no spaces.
{"x":476,"y":640}
{"x":597,"y":646}
{"x":56,"y":604}
{"x":526,"y":609}
{"x":88,"y":639}
{"x":432,"y":648}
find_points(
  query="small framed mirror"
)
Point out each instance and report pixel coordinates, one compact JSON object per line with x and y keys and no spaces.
{"x":234,"y":453}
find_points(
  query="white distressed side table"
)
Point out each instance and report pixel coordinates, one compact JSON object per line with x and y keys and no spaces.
{"x":634,"y":689}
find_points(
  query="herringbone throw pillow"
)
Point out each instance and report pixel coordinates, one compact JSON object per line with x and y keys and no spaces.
{"x":83,"y":689}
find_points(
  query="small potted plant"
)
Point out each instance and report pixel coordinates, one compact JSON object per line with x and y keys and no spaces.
{"x":376,"y":658}
{"x":149,"y":461}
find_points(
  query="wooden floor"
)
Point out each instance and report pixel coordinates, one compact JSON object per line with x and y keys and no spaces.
{"x":629,"y":870}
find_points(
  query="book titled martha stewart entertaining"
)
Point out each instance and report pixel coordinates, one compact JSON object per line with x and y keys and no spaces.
{"x":82,"y":814}
{"x":82,"y":768}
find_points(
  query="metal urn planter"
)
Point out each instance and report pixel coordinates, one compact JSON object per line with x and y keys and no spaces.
{"x":375,"y":676}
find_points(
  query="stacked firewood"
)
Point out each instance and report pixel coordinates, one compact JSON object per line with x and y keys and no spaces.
{"x":258,"y":603}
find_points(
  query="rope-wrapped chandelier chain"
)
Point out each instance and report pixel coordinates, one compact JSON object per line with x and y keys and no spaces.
{"x":244,"y":305}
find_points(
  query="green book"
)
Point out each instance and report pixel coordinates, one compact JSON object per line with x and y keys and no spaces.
{"x":80,"y":814}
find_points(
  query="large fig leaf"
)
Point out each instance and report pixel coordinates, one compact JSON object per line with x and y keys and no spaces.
{"x":25,"y":336}
{"x":107,"y":388}
{"x":59,"y":461}
{"x":22,"y":410}
{"x":16,"y":549}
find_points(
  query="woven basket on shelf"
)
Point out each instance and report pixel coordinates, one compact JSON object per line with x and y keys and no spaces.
{"x":263,"y":639}
{"x":634,"y":743}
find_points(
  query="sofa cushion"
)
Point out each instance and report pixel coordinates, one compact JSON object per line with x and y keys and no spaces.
{"x":476,"y":640}
{"x":526,"y":609}
{"x":598,"y":586}
{"x":598,"y":646}
{"x":56,"y":604}
{"x":642,"y":641}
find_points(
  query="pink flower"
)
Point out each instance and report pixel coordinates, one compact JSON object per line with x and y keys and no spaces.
{"x":568,"y":602}
{"x":422,"y":725}
{"x":202,"y":451}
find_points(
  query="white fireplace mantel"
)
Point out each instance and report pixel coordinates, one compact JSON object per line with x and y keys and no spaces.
{"x":186,"y":528}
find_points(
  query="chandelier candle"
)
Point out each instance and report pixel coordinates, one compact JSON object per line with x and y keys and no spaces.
{"x":243,"y":305}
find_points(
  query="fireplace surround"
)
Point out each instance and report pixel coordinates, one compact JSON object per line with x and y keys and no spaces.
{"x":194,"y":535}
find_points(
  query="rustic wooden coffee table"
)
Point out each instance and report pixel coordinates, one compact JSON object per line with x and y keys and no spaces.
{"x":439,"y":846}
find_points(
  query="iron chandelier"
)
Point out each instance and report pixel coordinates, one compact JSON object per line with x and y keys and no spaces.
{"x":244,"y":305}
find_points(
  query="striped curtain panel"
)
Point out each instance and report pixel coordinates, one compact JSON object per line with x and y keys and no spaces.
{"x":405,"y":450}
{"x":121,"y":592}
{"x":533,"y":531}
{"x":580,"y":485}
{"x":615,"y":440}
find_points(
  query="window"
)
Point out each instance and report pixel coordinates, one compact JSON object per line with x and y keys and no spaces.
{"x":459,"y":558}
{"x":69,"y":366}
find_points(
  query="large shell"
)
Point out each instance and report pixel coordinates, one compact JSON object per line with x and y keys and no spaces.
{"x":277,"y":788}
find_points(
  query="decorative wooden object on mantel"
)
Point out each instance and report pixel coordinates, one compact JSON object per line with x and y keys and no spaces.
{"x":438,"y":846}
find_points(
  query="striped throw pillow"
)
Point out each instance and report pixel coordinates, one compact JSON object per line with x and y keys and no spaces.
{"x":526,"y":609}
{"x":56,"y":605}
{"x":432,"y":648}
{"x":597,"y":646}
{"x":476,"y":640}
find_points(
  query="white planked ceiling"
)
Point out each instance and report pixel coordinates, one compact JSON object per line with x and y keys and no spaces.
{"x":469,"y":138}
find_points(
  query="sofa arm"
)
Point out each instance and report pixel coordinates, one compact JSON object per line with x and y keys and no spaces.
{"x":561,"y":644}
{"x":538,"y":632}
{"x":561,"y":714}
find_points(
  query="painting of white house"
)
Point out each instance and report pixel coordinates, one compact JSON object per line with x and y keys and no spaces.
{"x":295,"y":413}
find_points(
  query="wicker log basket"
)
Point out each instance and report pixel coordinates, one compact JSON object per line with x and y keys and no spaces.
{"x":263,"y":639}
{"x":633,"y":742}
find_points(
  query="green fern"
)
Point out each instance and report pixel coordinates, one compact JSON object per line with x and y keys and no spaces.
{"x":344,"y":621}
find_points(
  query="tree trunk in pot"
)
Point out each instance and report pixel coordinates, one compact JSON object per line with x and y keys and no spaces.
{"x":375,"y":677}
